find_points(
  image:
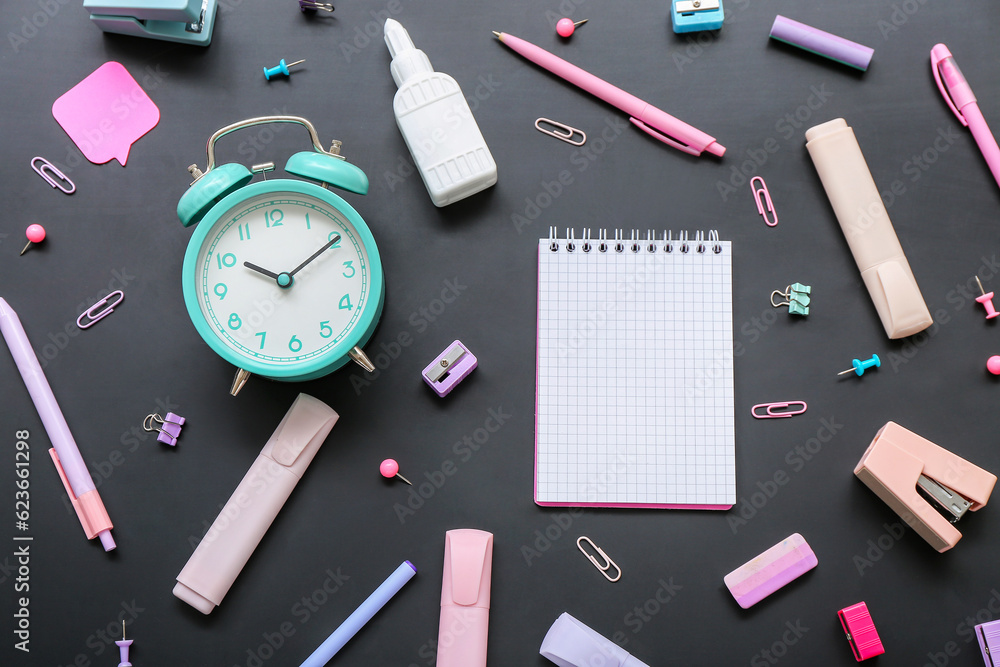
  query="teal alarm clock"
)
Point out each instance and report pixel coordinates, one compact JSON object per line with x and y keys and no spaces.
{"x":281,"y":278}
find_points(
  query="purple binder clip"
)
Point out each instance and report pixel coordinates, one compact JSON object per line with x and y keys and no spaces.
{"x":988,"y":635}
{"x":169,"y":430}
{"x":450,"y":368}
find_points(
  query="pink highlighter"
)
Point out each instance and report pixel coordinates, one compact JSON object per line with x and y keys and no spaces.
{"x":465,"y":598}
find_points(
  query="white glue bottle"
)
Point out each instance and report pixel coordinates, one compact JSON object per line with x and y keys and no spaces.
{"x":437,"y":124}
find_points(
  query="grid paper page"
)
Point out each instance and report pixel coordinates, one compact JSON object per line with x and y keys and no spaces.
{"x":634,"y":402}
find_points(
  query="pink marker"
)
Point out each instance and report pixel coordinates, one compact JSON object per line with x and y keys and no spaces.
{"x":654,"y":122}
{"x":465,"y":598}
{"x":959,"y":97}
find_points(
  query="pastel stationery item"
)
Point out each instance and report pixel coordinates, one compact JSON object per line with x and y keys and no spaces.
{"x":821,"y":43}
{"x":465,"y":598}
{"x":696,"y":15}
{"x":778,"y":566}
{"x":181,"y":21}
{"x":656,"y":123}
{"x":169,"y":429}
{"x":229,"y":543}
{"x":65,"y":455}
{"x":988,"y":635}
{"x":857,"y":623}
{"x":627,"y":354}
{"x":909,"y":473}
{"x":123,"y":645}
{"x":571,"y":643}
{"x":106,"y":113}
{"x":957,"y":93}
{"x":451,"y":367}
{"x":862,"y":216}
{"x":364,"y":613}
{"x":987,"y":300}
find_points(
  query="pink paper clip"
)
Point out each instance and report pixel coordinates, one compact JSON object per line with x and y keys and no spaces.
{"x":92,"y":317}
{"x":777,"y":411}
{"x":757,"y":192}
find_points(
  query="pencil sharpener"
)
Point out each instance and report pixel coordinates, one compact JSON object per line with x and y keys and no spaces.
{"x":696,"y":15}
{"x":451,"y":367}
{"x":183,"y":21}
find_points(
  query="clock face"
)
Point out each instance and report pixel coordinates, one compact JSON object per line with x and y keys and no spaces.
{"x":286,"y":279}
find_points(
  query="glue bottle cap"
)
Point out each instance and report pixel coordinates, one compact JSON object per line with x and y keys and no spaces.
{"x":407,"y":60}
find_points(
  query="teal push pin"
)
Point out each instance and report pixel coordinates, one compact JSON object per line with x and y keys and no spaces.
{"x":281,"y":68}
{"x":861,"y":366}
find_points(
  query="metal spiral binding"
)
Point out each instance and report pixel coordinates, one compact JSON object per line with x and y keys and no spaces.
{"x":700,"y":243}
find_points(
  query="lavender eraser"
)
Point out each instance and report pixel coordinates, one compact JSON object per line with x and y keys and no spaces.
{"x":821,"y":43}
{"x":781,"y":564}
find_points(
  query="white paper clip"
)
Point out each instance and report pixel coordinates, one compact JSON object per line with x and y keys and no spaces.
{"x":47,"y":166}
{"x":92,"y":317}
{"x":562,"y":132}
{"x":608,"y":563}
{"x":766,"y":201}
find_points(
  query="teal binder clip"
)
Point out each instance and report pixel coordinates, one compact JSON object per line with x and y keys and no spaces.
{"x":183,"y":21}
{"x":696,"y":15}
{"x":796,"y":298}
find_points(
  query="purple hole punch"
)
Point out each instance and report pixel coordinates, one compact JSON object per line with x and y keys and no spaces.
{"x":821,"y":43}
{"x":169,"y":430}
{"x":450,"y":368}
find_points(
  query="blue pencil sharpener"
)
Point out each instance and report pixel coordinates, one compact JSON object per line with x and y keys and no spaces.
{"x":184,"y":21}
{"x":696,"y":15}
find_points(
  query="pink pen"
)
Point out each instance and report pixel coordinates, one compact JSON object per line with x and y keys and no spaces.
{"x":959,"y":97}
{"x":654,"y":122}
{"x":465,"y":598}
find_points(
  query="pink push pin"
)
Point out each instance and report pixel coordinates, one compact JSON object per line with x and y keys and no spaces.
{"x":123,"y":647}
{"x":389,"y":469}
{"x":993,"y":365}
{"x":987,"y":301}
{"x":565,"y":27}
{"x":35,"y":234}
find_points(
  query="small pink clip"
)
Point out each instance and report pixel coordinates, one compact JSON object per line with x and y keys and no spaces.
{"x":757,"y":192}
{"x":92,"y":317}
{"x":771,"y":410}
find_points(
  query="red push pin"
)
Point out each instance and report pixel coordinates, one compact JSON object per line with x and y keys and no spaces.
{"x":36,"y":234}
{"x":565,"y":27}
{"x":987,"y":301}
{"x":389,"y":469}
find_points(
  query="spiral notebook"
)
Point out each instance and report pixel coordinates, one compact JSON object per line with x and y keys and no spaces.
{"x":634,"y":382}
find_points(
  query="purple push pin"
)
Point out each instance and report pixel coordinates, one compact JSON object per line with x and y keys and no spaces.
{"x":123,"y":648}
{"x":170,"y":429}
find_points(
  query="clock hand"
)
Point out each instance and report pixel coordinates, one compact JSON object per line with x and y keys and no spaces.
{"x":283,"y":279}
{"x":260,"y":270}
{"x":314,"y":255}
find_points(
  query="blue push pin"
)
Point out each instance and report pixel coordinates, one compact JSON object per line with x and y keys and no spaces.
{"x":282,"y":68}
{"x":861,"y":366}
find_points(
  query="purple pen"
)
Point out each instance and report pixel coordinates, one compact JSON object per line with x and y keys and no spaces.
{"x":69,"y":463}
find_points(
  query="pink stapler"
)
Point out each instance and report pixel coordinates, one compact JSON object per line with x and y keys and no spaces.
{"x":905,"y":470}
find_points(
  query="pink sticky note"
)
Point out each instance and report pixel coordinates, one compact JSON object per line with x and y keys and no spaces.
{"x":106,"y":113}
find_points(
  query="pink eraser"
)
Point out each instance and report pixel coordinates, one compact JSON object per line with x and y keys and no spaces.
{"x":781,"y":564}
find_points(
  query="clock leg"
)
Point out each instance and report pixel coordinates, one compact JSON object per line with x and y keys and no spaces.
{"x":241,"y":379}
{"x":359,"y":357}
